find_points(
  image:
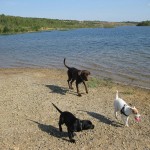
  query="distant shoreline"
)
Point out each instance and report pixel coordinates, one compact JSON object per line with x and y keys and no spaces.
{"x":14,"y":25}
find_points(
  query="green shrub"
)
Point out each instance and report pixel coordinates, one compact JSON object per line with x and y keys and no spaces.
{"x":6,"y":29}
{"x":144,"y":23}
{"x":94,"y":82}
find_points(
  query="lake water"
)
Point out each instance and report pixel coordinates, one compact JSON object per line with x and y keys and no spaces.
{"x":122,"y":53}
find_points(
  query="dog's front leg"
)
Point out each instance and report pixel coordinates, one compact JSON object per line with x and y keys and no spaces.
{"x":70,"y":134}
{"x":78,"y":89}
{"x":126,"y":122}
{"x":85,"y":87}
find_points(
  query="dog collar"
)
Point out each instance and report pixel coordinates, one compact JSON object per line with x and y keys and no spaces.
{"x":80,"y":122}
{"x":123,"y":112}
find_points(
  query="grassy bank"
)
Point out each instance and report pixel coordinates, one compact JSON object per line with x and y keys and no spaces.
{"x":13,"y":24}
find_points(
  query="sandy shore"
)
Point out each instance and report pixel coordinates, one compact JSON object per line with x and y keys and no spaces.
{"x":28,"y":121}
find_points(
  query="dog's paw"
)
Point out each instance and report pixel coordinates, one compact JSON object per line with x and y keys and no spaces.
{"x":79,"y":95}
{"x":126,"y":125}
{"x":72,"y":141}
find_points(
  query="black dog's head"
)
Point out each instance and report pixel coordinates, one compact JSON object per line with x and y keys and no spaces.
{"x":80,"y":125}
{"x":84,"y":74}
{"x":87,"y":124}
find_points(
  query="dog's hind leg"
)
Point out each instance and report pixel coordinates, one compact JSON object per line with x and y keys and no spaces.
{"x":61,"y":122}
{"x":71,"y":83}
{"x":69,"y":79}
{"x":116,"y":115}
{"x":68,"y":82}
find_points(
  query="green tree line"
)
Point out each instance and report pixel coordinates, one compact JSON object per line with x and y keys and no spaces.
{"x":13,"y":24}
{"x":144,"y":23}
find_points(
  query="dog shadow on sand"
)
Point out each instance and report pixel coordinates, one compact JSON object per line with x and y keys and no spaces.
{"x":60,"y":90}
{"x":103,"y":119}
{"x":51,"y":130}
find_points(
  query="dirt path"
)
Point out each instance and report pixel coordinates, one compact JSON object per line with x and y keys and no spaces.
{"x":28,"y":121}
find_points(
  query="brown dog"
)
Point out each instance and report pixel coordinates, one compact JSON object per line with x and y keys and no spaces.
{"x":79,"y":75}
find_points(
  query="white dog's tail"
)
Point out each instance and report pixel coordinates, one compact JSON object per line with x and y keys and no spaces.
{"x":116,"y":94}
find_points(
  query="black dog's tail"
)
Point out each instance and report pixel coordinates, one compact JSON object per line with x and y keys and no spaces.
{"x":57,"y":108}
{"x":65,"y":63}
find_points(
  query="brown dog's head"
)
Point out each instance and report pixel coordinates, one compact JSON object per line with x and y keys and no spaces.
{"x":84,"y":74}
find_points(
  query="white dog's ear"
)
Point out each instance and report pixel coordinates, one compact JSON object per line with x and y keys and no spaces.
{"x":134,"y":110}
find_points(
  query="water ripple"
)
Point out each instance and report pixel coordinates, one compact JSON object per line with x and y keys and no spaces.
{"x":122,"y":53}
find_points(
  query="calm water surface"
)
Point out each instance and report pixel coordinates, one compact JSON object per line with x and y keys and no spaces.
{"x":122,"y":53}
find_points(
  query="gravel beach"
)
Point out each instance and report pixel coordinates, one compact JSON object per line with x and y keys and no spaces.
{"x":28,"y":121}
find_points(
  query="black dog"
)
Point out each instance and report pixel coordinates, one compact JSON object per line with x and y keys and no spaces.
{"x":73,"y":124}
{"x":79,"y":75}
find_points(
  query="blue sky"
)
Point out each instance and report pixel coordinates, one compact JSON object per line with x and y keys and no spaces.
{"x":102,"y":10}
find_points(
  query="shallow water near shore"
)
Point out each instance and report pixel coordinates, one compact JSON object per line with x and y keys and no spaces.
{"x":122,"y":53}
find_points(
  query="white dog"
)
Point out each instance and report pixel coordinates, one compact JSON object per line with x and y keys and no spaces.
{"x":125,"y":110}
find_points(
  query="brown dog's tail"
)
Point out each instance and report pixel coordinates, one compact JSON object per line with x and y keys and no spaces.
{"x":57,"y":108}
{"x":65,"y":63}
